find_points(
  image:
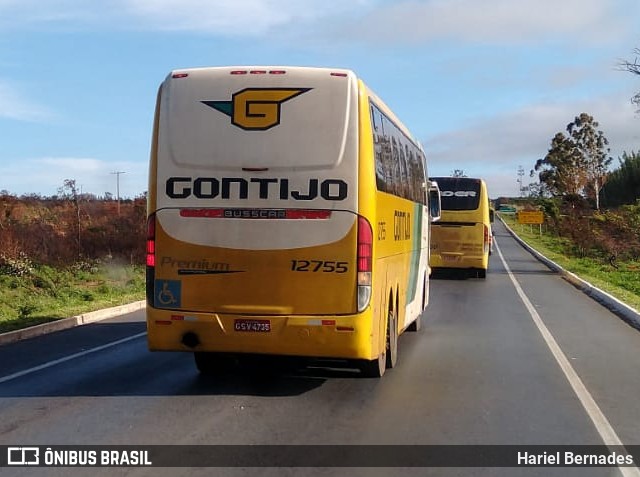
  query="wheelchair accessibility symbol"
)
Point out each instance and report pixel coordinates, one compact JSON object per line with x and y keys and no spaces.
{"x":167,"y":293}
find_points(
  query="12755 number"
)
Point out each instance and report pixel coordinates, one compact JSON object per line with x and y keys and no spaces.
{"x":319,"y":266}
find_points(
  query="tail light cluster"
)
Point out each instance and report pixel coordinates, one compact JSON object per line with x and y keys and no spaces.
{"x":151,"y":257}
{"x":364,"y":260}
{"x":151,"y":241}
{"x":487,"y":239}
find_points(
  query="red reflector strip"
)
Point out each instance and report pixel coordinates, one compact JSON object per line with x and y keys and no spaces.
{"x":344,"y":328}
{"x":179,"y":75}
{"x":255,"y":214}
{"x":258,"y":72}
{"x":204,"y":213}
{"x":277,"y":72}
{"x":163,"y":322}
{"x":308,"y":214}
{"x":177,"y":318}
{"x":239,"y":72}
{"x":328,"y":322}
{"x":341,"y":75}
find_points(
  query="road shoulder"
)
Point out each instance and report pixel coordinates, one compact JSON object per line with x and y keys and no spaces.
{"x":620,"y":309}
{"x":66,"y":323}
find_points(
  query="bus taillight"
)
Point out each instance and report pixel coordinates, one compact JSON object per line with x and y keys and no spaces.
{"x":364,"y":260}
{"x":151,"y":258}
{"x":151,"y":241}
{"x":487,"y":239}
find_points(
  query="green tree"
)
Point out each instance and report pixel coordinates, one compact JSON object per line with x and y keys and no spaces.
{"x":561,"y":172}
{"x":576,"y":165}
{"x":623,"y":184}
{"x":592,"y":146}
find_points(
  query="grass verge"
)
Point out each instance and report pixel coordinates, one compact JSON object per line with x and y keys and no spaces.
{"x":34,"y":294}
{"x":621,"y":281}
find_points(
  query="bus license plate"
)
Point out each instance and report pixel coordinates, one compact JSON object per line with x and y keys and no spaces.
{"x":260,"y":326}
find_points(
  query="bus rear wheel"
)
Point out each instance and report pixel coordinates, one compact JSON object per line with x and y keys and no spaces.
{"x":392,"y":340}
{"x":375,"y":368}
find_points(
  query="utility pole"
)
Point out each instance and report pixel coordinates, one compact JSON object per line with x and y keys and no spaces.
{"x":117,"y":173}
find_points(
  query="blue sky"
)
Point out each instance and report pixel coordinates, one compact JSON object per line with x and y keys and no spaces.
{"x":483,"y":84}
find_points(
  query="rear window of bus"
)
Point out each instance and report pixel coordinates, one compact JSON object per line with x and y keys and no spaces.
{"x":459,"y":193}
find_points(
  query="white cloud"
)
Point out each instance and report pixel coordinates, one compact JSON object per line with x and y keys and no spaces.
{"x":75,"y":164}
{"x":246,"y":18}
{"x":14,"y":105}
{"x":234,"y":18}
{"x":495,"y":147}
{"x":499,"y":21}
{"x":19,"y":13}
{"x":249,"y":17}
{"x":493,"y":21}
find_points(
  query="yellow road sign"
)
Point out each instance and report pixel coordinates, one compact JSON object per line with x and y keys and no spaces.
{"x":530,"y":217}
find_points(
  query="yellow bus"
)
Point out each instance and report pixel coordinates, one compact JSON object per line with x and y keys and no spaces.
{"x":288,"y":214}
{"x":463,"y":239}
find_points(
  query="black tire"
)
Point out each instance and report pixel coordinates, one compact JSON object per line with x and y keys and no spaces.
{"x":416,"y":324}
{"x":482,"y":273}
{"x":374,"y":368}
{"x":392,"y":340}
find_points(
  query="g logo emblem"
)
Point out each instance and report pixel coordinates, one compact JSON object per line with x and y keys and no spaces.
{"x":256,"y":109}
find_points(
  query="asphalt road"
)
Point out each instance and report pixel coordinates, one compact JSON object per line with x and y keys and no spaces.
{"x":521,"y":358}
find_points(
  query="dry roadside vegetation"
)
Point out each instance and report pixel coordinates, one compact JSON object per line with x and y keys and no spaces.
{"x":600,"y":246}
{"x":68,"y":254}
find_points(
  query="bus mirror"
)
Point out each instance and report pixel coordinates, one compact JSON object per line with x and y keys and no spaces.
{"x":492,"y":215}
{"x":434,"y":202}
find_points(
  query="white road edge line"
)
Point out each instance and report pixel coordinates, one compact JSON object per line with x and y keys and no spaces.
{"x":600,"y":421}
{"x":4,"y":379}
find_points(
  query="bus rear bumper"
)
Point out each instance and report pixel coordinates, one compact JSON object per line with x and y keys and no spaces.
{"x":458,"y":261}
{"x":340,"y":337}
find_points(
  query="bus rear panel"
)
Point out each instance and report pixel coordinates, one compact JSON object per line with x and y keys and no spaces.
{"x":462,"y":238}
{"x":253,"y":214}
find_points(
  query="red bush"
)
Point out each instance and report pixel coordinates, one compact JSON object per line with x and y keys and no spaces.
{"x":61,"y":232}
